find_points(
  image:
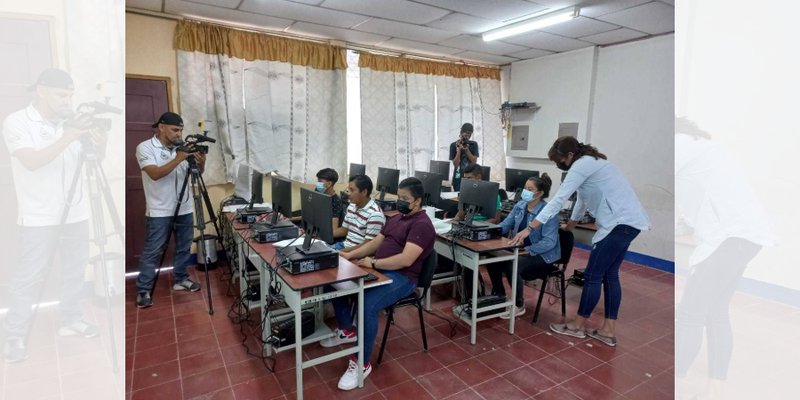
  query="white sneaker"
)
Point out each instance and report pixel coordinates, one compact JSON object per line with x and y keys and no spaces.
{"x":349,"y":380}
{"x":78,"y":328}
{"x":339,"y":337}
{"x":507,"y":314}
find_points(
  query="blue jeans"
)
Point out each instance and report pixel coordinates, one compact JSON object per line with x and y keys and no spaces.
{"x":375,"y":300}
{"x":603,"y":268}
{"x":36,"y":247}
{"x":157,"y":229}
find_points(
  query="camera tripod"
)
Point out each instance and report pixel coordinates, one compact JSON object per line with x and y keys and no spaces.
{"x":98,"y":188}
{"x":199,"y":196}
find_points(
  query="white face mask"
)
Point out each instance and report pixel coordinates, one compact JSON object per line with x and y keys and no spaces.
{"x":527,"y":195}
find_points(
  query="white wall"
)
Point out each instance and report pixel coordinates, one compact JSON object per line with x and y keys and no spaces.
{"x":632,"y":123}
{"x":623,"y":99}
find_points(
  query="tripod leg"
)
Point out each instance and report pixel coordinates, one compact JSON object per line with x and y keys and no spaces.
{"x":200,"y":218}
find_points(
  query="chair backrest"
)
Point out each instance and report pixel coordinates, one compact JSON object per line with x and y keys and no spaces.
{"x":426,"y":275}
{"x":567,"y":242}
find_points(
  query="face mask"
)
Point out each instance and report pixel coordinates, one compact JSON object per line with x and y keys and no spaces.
{"x":320,"y":187}
{"x":403,"y":207}
{"x":562,"y":166}
{"x":526,"y":195}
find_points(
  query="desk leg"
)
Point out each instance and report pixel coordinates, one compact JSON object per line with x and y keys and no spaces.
{"x":264,"y":281}
{"x":473,"y":326}
{"x":298,"y":351}
{"x":514,"y":278}
{"x":361,"y":333}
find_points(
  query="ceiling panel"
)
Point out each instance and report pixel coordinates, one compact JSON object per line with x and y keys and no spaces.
{"x":653,"y":18}
{"x":348,"y":35}
{"x":152,"y":5}
{"x":581,"y":26}
{"x":468,"y":42}
{"x":217,"y":3}
{"x":596,"y":8}
{"x":498,"y":10}
{"x":670,"y":2}
{"x":302,"y":12}
{"x":547,"y":41}
{"x":532,"y":53}
{"x":311,"y":2}
{"x":418,"y":47}
{"x":483,"y":57}
{"x":615,"y":36}
{"x":399,"y":10}
{"x":187,"y":9}
{"x":465,"y":23}
{"x":405,"y":31}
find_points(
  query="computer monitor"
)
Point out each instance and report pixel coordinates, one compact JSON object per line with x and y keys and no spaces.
{"x":241,"y":188}
{"x":478,"y":197}
{"x":432,"y":184}
{"x":281,"y":200}
{"x":486,"y":172}
{"x":388,"y":180}
{"x":357,"y":169}
{"x":516,"y":178}
{"x":440,"y":167}
{"x":257,"y":192}
{"x":317,"y":220}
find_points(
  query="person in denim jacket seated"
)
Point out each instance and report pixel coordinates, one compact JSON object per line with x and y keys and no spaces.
{"x":542,"y":246}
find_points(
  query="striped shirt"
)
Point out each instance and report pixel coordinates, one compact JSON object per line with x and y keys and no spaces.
{"x":363,"y":223}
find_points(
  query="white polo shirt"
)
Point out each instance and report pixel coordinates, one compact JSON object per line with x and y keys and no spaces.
{"x":42,"y":193}
{"x":162,"y":195}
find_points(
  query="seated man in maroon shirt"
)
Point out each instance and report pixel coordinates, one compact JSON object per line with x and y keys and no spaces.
{"x":397,"y":252}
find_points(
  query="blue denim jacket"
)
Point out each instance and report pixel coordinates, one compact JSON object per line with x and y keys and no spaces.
{"x":544,"y":239}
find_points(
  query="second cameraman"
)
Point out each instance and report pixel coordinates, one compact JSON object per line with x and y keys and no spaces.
{"x":462,"y":153}
{"x":164,"y":168}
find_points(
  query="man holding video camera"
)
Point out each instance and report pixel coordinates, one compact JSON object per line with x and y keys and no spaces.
{"x":164,"y":161}
{"x":46,"y":141}
{"x":462,"y":153}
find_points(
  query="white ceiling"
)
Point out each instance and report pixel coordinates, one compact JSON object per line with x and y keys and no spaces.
{"x":443,"y":28}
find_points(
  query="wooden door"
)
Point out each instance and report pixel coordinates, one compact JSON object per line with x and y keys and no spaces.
{"x":146,"y":98}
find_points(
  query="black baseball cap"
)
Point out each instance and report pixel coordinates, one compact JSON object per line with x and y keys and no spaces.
{"x":467,"y":128}
{"x":55,"y":78}
{"x":169,"y":118}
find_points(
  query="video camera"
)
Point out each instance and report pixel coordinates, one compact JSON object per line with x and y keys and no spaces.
{"x":92,"y":109}
{"x":192,"y":144}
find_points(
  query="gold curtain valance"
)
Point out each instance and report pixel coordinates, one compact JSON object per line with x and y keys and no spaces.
{"x":412,"y":66}
{"x":216,"y":39}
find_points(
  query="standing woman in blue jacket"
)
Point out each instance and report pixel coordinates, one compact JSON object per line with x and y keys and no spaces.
{"x":542,"y":244}
{"x":619,"y":216}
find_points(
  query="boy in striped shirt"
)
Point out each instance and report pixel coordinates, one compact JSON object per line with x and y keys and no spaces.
{"x":364,"y":219}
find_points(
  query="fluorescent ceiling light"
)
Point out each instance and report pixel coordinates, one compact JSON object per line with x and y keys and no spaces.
{"x":537,"y":22}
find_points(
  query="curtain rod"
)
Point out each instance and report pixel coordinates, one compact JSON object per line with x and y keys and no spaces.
{"x":348,"y":45}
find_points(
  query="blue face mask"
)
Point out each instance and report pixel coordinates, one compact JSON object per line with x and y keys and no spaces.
{"x":526,"y":195}
{"x":320,"y":187}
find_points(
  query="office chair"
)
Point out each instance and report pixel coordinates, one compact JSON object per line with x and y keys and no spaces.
{"x":567,"y":241}
{"x":414,"y":299}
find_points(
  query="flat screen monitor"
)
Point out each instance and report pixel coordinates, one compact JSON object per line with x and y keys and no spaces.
{"x":317,"y":213}
{"x":478,"y":197}
{"x":387,"y":182}
{"x":281,"y":200}
{"x":516,"y":178}
{"x":256,"y":189}
{"x":357,"y":169}
{"x":432,"y":184}
{"x":440,"y":167}
{"x":486,"y":172}
{"x":241,"y":187}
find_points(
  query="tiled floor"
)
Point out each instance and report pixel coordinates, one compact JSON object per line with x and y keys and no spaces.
{"x":177,"y":350}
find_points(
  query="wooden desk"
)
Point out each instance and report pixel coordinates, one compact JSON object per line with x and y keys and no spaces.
{"x":295,"y":289}
{"x":474,"y":254}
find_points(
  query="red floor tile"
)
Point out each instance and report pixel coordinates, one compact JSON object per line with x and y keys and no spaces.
{"x":164,"y":391}
{"x":500,"y":361}
{"x":442,"y":383}
{"x":449,"y":353}
{"x":420,"y":364}
{"x":205,"y":382}
{"x":529,"y":381}
{"x":201,"y":363}
{"x":407,"y":390}
{"x":557,"y":393}
{"x":472,"y":371}
{"x":155,"y":375}
{"x":578,"y":359}
{"x":499,"y":388}
{"x":388,"y":374}
{"x":554,"y":369}
{"x":587,"y":388}
{"x":264,"y":387}
{"x":288,"y":379}
{"x":468,"y":394}
{"x":156,"y":356}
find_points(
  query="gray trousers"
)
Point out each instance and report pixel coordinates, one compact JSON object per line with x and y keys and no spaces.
{"x":36,"y":247}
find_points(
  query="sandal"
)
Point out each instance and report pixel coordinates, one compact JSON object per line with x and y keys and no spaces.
{"x":563,"y":329}
{"x":609,"y":340}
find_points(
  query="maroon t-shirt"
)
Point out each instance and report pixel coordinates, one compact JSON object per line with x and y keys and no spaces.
{"x":398,"y":230}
